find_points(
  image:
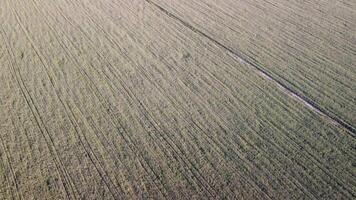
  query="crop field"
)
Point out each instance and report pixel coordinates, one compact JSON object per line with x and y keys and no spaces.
{"x":177,"y":99}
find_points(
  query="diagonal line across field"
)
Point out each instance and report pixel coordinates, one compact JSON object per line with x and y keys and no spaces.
{"x":188,"y":99}
{"x":294,"y":94}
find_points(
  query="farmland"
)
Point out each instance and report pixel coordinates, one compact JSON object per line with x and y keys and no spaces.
{"x":179,"y":99}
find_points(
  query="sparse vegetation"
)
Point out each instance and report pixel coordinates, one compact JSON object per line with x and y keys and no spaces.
{"x":181,"y":99}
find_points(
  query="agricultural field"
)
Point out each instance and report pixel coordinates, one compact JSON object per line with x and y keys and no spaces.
{"x":177,"y":99}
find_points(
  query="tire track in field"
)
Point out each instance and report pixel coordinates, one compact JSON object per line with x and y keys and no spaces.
{"x":346,"y":152}
{"x":213,"y":76}
{"x":90,"y":153}
{"x":319,"y":162}
{"x":324,"y":171}
{"x":290,"y":92}
{"x":101,"y":98}
{"x":63,"y":176}
{"x":283,"y":40}
{"x":286,"y":90}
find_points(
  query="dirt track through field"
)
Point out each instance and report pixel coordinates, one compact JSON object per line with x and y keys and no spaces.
{"x":333,"y":119}
{"x":144,"y":99}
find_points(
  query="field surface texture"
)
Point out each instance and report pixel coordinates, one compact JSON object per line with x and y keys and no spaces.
{"x":177,"y":99}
